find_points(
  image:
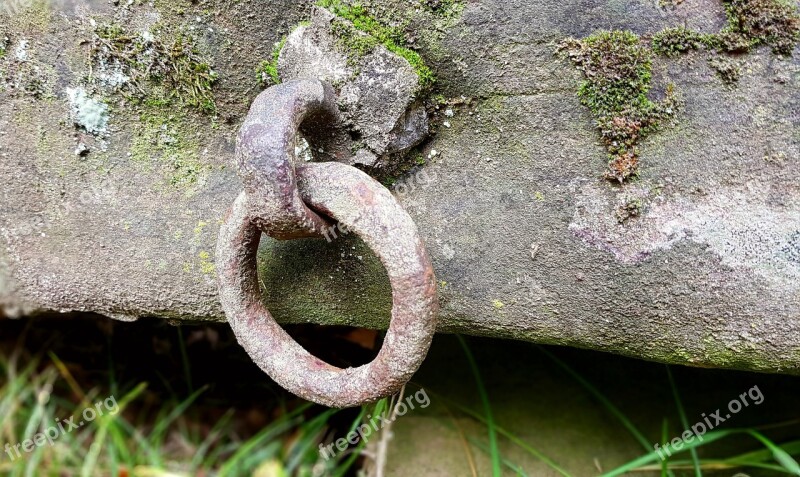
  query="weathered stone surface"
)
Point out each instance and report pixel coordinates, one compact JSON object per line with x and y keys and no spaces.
{"x":381,"y":114}
{"x":708,"y":273}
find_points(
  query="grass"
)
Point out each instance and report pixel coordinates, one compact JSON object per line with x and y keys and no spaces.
{"x":148,"y":437}
{"x":684,"y":420}
{"x":773,"y":457}
{"x":758,"y":459}
{"x":487,"y":409}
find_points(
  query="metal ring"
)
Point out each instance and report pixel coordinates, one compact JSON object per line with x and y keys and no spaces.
{"x":367,"y":208}
{"x":265,"y":154}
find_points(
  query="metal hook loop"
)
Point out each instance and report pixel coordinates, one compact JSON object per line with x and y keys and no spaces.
{"x":265,"y":155}
{"x":364,"y":206}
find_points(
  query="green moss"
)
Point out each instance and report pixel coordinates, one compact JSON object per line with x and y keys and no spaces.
{"x":446,"y":9}
{"x":391,"y":38}
{"x":774,"y":23}
{"x":164,"y":68}
{"x":267,"y":73}
{"x":751,"y":23}
{"x":727,"y":69}
{"x":354,"y":42}
{"x":617,"y":71}
{"x":631,"y":208}
{"x":164,"y":140}
{"x":676,"y":41}
{"x":4,"y":41}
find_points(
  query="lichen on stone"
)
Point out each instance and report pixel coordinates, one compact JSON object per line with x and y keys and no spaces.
{"x":21,"y":72}
{"x":617,"y":71}
{"x":88,"y":113}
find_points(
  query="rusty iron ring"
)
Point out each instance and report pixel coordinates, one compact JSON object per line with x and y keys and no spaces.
{"x":368,"y":209}
{"x":265,"y":155}
{"x":362,"y":205}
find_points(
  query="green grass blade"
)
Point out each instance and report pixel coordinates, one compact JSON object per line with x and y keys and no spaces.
{"x":684,"y":420}
{"x":714,"y":465}
{"x":159,"y":431}
{"x":487,"y":408}
{"x":508,"y":435}
{"x":380,"y":409}
{"x":612,"y":409}
{"x":345,"y":464}
{"x":653,"y":456}
{"x":761,"y":455}
{"x":514,"y":467}
{"x":781,"y":456}
{"x":311,"y":431}
{"x":273,"y":430}
{"x":90,"y":463}
{"x":664,"y":438}
{"x":213,"y":435}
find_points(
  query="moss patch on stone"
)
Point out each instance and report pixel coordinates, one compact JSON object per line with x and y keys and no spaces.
{"x":443,"y":8}
{"x":164,"y":141}
{"x":355,"y":43}
{"x":774,"y":23}
{"x":161,"y":68}
{"x":677,"y":41}
{"x":727,"y":69}
{"x":267,"y":72}
{"x":617,"y":71}
{"x":617,"y":68}
{"x":391,"y":38}
{"x":751,"y":23}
